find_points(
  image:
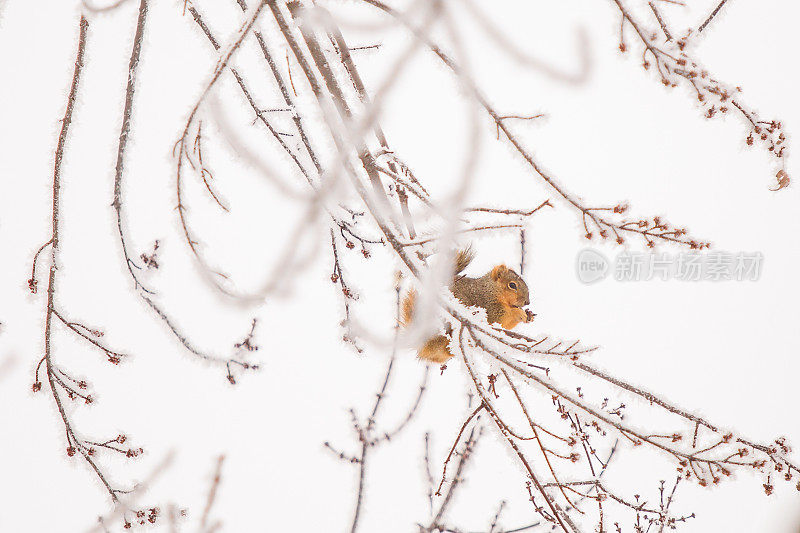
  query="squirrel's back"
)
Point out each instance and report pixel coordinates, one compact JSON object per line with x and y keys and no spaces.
{"x":462,"y":260}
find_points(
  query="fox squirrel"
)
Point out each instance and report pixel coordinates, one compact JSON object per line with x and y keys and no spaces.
{"x":501,"y":292}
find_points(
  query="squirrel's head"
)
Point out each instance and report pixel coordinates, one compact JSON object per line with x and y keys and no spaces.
{"x":513,"y":290}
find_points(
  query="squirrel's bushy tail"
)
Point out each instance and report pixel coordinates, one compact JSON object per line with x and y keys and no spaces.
{"x":463,"y":258}
{"x":435,"y":349}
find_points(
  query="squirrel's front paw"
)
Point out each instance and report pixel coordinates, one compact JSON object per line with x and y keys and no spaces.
{"x":529,"y":315}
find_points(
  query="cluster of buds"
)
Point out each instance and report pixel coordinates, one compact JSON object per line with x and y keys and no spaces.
{"x":247,"y":343}
{"x":650,"y":230}
{"x":714,"y":97}
{"x":87,"y":399}
{"x":784,"y":447}
{"x":594,"y":424}
{"x":350,"y":245}
{"x":492,"y":385}
{"x":151,"y":261}
{"x":133,"y":452}
{"x":144,"y":516}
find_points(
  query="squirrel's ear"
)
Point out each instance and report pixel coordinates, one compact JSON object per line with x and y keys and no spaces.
{"x":498,"y":271}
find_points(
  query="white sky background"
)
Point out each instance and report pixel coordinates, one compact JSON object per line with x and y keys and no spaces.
{"x":725,"y":350}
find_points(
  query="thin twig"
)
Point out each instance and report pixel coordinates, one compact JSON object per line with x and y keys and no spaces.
{"x":212,"y":492}
{"x":660,"y":21}
{"x":130,"y":88}
{"x":711,"y":16}
{"x":54,"y":249}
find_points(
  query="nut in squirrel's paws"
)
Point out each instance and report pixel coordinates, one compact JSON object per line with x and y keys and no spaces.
{"x":529,"y":315}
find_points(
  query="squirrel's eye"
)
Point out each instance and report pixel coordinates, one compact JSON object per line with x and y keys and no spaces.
{"x":512,"y":285}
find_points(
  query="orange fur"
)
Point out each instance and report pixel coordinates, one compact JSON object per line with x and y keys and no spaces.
{"x":512,"y":316}
{"x":498,"y":271}
{"x":407,"y":314}
{"x":508,"y":299}
{"x":493,"y":292}
{"x":436,"y":350}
